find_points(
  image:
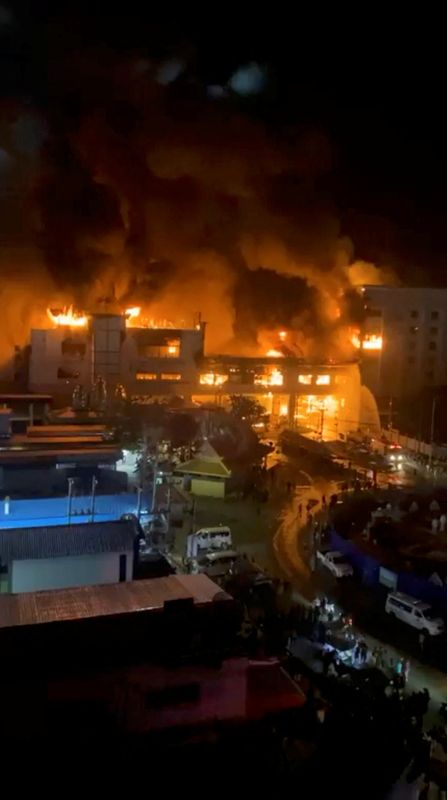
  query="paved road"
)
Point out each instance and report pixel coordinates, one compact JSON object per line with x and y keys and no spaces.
{"x":293,"y":548}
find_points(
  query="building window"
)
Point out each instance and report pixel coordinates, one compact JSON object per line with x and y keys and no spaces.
{"x":307,"y":379}
{"x":430,"y":361}
{"x":146,"y":376}
{"x":434,"y":315}
{"x":433,"y":331}
{"x":67,"y":374}
{"x":411,"y":359}
{"x":212,"y":379}
{"x":168,"y":348}
{"x":414,"y":314}
{"x":171,"y":376}
{"x":413,"y":329}
{"x":412,"y":345}
{"x":432,"y":345}
{"x":323,"y":380}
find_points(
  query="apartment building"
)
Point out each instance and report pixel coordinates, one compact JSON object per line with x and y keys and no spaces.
{"x":403,"y":340}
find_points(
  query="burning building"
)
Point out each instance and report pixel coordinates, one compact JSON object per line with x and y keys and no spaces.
{"x":147,"y":360}
{"x":160,"y":361}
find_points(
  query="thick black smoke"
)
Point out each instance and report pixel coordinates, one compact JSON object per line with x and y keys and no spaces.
{"x":149,"y":189}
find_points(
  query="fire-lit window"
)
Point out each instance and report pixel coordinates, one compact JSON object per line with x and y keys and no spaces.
{"x":171,"y":376}
{"x":212,"y":379}
{"x":270,"y":377}
{"x":168,"y":348}
{"x":342,"y":402}
{"x":146,"y":376}
{"x":306,"y":379}
{"x":323,"y":380}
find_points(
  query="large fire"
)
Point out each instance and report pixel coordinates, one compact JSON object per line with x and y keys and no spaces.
{"x":67,"y":316}
{"x":274,"y":354}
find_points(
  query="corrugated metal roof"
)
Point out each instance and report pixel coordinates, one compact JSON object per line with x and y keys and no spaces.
{"x":89,"y":538}
{"x":33,"y":608}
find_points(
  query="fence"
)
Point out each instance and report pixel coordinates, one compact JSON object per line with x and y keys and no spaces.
{"x":369,"y":569}
{"x":414,"y":445}
{"x":54,"y":510}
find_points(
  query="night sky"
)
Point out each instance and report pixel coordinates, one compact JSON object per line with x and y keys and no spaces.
{"x":368,"y":104}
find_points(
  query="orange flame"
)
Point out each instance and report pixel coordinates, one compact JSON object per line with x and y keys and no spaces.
{"x":132,"y":313}
{"x":370,"y":341}
{"x":67,"y":316}
{"x":274,"y":354}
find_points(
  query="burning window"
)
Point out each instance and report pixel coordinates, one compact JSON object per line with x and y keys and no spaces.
{"x":372,"y":341}
{"x":270,"y":377}
{"x":171,"y":376}
{"x":212,"y":379}
{"x":323,"y":380}
{"x":159,"y":346}
{"x":146,"y":376}
{"x":306,"y":379}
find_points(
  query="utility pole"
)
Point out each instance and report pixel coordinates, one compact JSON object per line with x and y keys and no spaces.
{"x":139,"y":497}
{"x":93,"y":497}
{"x":154,"y":480}
{"x":432,"y":431}
{"x":70,"y":498}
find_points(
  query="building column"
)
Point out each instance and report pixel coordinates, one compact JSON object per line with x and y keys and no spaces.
{"x":291,"y":409}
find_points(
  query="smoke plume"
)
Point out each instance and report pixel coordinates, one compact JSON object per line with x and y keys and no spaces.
{"x":144,"y":190}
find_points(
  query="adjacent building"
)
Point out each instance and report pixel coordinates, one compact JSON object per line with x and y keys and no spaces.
{"x":33,"y":559}
{"x":403,"y":340}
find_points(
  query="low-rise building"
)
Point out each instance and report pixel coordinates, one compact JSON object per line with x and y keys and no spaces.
{"x":34,"y":559}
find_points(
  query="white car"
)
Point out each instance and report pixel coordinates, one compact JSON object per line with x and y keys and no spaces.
{"x":335,"y":563}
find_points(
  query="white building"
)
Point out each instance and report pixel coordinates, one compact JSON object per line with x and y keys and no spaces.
{"x":64,"y":556}
{"x":404,"y":339}
{"x":146,"y":360}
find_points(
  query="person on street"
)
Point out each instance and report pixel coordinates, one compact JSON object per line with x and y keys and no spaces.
{"x":421,"y":639}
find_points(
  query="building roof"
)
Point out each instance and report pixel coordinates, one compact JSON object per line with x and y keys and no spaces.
{"x":84,"y":602}
{"x":88,"y":538}
{"x":206,"y":462}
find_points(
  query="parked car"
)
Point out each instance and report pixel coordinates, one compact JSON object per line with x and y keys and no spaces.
{"x":335,"y":563}
{"x":414,"y":612}
{"x":217,"y":563}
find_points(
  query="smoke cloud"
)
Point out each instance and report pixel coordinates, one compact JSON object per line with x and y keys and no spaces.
{"x":141,"y":189}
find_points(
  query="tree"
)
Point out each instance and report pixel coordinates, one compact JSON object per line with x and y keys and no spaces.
{"x":246,"y":409}
{"x":182,"y":429}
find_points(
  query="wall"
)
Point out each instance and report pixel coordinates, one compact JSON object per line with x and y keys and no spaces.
{"x":58,"y":573}
{"x":208,"y":488}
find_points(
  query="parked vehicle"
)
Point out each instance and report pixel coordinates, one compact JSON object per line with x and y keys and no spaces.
{"x":414,"y":612}
{"x":218,"y":563}
{"x":335,"y":563}
{"x":217,"y":538}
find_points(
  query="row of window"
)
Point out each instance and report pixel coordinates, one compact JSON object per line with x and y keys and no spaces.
{"x":153,"y":376}
{"x":431,"y":345}
{"x":414,"y":314}
{"x":414,"y":330}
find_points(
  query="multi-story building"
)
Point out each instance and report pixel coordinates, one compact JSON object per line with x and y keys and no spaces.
{"x":403,"y":340}
{"x":146,"y":360}
{"x":158,"y":362}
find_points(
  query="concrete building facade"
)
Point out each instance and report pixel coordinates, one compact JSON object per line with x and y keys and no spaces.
{"x":403,"y":340}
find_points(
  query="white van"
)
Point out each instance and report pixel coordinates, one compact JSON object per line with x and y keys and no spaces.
{"x":414,"y":612}
{"x":208,"y":539}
